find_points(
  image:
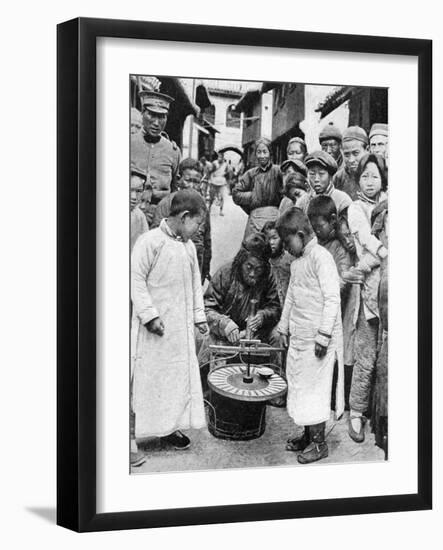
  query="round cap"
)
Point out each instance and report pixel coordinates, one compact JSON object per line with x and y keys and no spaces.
{"x":323,"y":159}
{"x":355,"y":132}
{"x":330,"y":131}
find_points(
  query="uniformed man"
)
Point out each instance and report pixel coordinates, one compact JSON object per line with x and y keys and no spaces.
{"x":151,"y":150}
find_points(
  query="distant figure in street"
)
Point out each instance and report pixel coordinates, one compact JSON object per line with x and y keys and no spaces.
{"x":355,"y":145}
{"x":190,"y":177}
{"x":167,"y":311}
{"x":330,"y":139}
{"x":321,"y":168}
{"x":379,"y":140}
{"x":260,"y":189}
{"x":217,"y":183}
{"x":230,"y":176}
{"x":311,"y":329}
{"x":296,"y":149}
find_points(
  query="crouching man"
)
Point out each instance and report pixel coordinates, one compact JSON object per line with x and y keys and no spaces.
{"x":228,"y":300}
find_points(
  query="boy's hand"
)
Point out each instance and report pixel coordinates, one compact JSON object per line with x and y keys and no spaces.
{"x":320,"y":351}
{"x":354,"y":276}
{"x":284,"y":340}
{"x":202,"y":328}
{"x":256,"y":322}
{"x":232,"y":332}
{"x":156,"y":326}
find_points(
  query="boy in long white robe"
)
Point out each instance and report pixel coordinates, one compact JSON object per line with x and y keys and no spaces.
{"x":167,"y":297}
{"x":311,"y":325}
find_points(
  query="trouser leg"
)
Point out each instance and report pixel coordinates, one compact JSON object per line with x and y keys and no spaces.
{"x":365,"y":356}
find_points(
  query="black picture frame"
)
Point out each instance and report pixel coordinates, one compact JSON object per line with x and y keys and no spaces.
{"x":76,"y":279}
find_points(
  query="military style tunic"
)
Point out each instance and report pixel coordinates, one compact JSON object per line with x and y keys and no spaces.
{"x":160,"y":158}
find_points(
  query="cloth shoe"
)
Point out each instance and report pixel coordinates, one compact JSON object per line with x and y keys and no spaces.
{"x":137,"y":458}
{"x":359,"y":436}
{"x":298,"y":443}
{"x":178,"y":440}
{"x":317,"y":448}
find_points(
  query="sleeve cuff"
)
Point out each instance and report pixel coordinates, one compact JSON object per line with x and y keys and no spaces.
{"x":199,"y":317}
{"x":322,"y":339}
{"x":148,"y":315}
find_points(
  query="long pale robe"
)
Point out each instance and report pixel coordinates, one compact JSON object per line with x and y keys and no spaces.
{"x":312,"y":305}
{"x":165,"y":283}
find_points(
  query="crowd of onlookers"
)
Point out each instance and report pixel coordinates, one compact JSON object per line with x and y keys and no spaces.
{"x":313,"y":257}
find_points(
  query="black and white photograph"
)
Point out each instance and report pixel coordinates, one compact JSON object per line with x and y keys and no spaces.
{"x":258,"y":308}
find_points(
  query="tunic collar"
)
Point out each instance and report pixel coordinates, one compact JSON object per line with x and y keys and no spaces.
{"x":150,"y":139}
{"x":308,"y":248}
{"x":168,"y":231}
{"x":266,"y":168}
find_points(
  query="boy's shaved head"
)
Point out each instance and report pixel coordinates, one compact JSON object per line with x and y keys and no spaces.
{"x":292,"y":221}
{"x":187,"y":200}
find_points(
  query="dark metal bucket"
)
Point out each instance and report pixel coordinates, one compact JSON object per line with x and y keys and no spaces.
{"x":233,"y":419}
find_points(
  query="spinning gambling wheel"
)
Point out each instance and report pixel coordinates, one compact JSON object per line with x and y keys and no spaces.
{"x":238,"y":393}
{"x":229,"y":381}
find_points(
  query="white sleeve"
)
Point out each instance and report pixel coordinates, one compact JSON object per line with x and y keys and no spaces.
{"x":141,"y":262}
{"x":329,"y":282}
{"x":283,"y":325}
{"x":361,"y":228}
{"x":199,"y":308}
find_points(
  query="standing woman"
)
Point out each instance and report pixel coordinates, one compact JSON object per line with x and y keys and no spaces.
{"x":260,"y":189}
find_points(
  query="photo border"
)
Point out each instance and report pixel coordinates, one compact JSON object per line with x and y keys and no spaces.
{"x":77,"y":259}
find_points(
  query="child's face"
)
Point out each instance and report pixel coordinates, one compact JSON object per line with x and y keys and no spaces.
{"x":252,"y":270}
{"x":263,"y":154}
{"x":137,"y":184}
{"x":370,"y":180}
{"x":319,"y":178}
{"x":295,"y":152}
{"x":294,"y":244}
{"x":145,"y":200}
{"x":322,"y":227}
{"x":189,"y":225}
{"x":295,"y":193}
{"x":135,"y":126}
{"x":345,"y":237}
{"x":190,"y":179}
{"x":289,"y":170}
{"x":353,"y":150}
{"x":274,"y":242}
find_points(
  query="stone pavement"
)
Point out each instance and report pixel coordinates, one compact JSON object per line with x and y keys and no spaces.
{"x":209,"y":453}
{"x":226,"y":232}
